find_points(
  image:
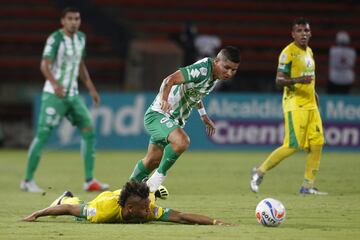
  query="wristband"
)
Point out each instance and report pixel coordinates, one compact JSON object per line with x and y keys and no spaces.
{"x":202,"y":111}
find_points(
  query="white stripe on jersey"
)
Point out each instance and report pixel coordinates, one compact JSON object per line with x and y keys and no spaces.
{"x":69,"y":54}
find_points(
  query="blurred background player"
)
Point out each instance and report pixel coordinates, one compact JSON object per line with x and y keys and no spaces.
{"x":62,"y":62}
{"x":164,"y":120}
{"x":342,"y":59}
{"x":131,"y":204}
{"x":303,"y":125}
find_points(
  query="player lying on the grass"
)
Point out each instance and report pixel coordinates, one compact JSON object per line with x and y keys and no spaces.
{"x":131,"y":204}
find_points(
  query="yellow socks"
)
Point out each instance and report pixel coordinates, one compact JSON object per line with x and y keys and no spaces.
{"x":312,"y":165}
{"x":275,"y":158}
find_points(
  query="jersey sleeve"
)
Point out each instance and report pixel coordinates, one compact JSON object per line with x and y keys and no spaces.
{"x":51,"y":46}
{"x":82,"y":36}
{"x":198,"y":71}
{"x":159,"y":213}
{"x":285,"y":62}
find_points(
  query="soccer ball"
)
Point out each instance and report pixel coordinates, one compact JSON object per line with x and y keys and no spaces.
{"x":270,"y":212}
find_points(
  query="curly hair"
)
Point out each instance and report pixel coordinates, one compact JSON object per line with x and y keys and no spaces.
{"x":131,"y":188}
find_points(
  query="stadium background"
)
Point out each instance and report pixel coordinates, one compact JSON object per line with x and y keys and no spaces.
{"x":119,"y":31}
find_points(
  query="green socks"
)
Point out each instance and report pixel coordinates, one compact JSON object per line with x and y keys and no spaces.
{"x":34,"y":153}
{"x":168,"y":159}
{"x":140,"y":172}
{"x":88,"y":152}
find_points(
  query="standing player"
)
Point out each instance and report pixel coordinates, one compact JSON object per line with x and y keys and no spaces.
{"x":179,"y":93}
{"x":62,"y":62}
{"x":303,"y":126}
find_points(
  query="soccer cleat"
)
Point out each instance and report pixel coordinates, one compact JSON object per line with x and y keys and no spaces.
{"x":30,"y":186}
{"x":162,"y":193}
{"x":311,"y":191}
{"x":255,"y":181}
{"x":62,"y":196}
{"x":95,"y":185}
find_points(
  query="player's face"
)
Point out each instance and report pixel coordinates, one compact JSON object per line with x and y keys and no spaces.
{"x":71,"y":22}
{"x":225,"y":69}
{"x":140,"y":211}
{"x":301,"y":34}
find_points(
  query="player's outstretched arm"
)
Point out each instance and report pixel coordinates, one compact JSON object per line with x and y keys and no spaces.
{"x":64,"y":209}
{"x":190,"y":218}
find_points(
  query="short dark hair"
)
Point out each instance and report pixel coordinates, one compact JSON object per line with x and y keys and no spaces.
{"x":132,"y":188}
{"x":300,"y":21}
{"x":231,"y":53}
{"x":67,"y":10}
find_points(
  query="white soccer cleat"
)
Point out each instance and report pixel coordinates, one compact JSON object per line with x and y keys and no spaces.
{"x":30,"y":186}
{"x":255,"y":181}
{"x":59,"y":199}
{"x":155,"y":181}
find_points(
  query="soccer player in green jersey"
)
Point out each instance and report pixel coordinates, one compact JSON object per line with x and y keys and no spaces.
{"x":62,"y":62}
{"x":303,"y":125}
{"x":164,"y":120}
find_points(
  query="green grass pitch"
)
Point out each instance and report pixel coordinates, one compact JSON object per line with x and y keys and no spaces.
{"x":210,"y":183}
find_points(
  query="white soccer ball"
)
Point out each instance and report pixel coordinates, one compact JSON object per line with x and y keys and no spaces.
{"x":270,"y":212}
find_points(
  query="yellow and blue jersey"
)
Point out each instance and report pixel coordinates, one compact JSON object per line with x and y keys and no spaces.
{"x":296,"y":62}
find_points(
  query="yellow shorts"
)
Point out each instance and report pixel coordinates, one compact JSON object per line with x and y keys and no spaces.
{"x":303,"y":128}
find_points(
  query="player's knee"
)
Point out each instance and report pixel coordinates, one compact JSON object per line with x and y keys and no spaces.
{"x":88,"y":133}
{"x":181,"y":144}
{"x":43,"y":133}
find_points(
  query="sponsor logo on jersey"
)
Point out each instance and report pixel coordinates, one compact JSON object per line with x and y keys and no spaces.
{"x":156,"y":212}
{"x":194,"y":73}
{"x":50,"y":111}
{"x":164,"y":119}
{"x":91,"y":212}
{"x":169,"y":124}
{"x":283,"y":57}
{"x":203,"y":71}
{"x":309,"y":62}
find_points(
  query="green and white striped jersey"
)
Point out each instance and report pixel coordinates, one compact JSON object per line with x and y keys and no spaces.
{"x":66,"y":54}
{"x":198,"y":83}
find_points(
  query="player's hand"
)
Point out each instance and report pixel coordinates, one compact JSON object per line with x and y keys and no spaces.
{"x":210,"y":126}
{"x":59,"y":90}
{"x":165,"y":106}
{"x":221,"y":223}
{"x":30,"y":218}
{"x":96,"y":98}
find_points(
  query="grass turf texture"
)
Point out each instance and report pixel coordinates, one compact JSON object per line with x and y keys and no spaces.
{"x":209,"y":183}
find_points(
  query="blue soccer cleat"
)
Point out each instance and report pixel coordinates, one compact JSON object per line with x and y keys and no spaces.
{"x":311,"y":191}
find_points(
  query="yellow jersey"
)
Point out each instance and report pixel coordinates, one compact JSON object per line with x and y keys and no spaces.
{"x":106,"y":209}
{"x":296,"y":62}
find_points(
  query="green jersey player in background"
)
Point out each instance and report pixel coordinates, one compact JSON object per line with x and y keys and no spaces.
{"x":62,"y":62}
{"x":164,"y":120}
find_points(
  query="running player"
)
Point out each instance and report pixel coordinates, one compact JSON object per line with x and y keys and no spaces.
{"x":164,"y":120}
